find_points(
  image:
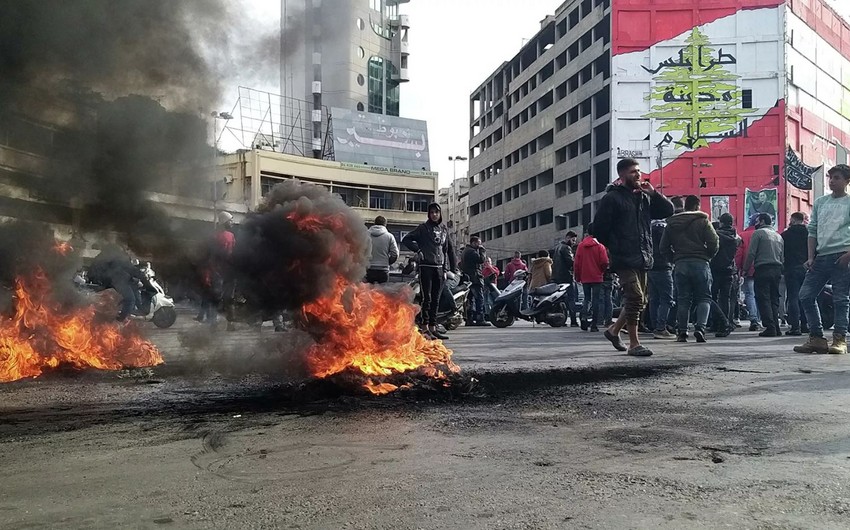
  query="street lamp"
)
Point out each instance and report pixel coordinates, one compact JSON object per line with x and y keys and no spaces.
{"x":456,"y":159}
{"x":226,"y":116}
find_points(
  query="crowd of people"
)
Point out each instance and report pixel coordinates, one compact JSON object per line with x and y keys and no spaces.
{"x":679,"y":275}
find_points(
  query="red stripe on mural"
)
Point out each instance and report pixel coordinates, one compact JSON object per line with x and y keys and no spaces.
{"x":641,"y":24}
{"x":760,"y":129}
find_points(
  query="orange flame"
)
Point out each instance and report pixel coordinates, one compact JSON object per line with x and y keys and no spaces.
{"x":364,"y":329}
{"x":63,"y":248}
{"x":40,"y":336}
{"x":373,"y":333}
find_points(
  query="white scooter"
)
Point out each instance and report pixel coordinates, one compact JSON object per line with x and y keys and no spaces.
{"x":156,"y":305}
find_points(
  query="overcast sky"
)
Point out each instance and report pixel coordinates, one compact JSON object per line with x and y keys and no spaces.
{"x":454,"y":46}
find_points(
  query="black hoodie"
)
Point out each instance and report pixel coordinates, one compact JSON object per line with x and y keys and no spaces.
{"x":796,"y":246}
{"x":724,"y":260}
{"x":432,"y":240}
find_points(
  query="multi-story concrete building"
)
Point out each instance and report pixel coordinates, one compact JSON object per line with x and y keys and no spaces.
{"x":458,"y":210}
{"x":742,"y":102}
{"x":540,"y":133}
{"x":350,"y":54}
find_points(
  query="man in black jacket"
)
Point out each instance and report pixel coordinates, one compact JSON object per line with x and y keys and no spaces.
{"x":660,"y":283}
{"x":471,"y":264}
{"x":431,"y":242}
{"x":622,"y":224}
{"x":796,"y":253}
{"x":722,"y":272}
{"x":563,"y":262}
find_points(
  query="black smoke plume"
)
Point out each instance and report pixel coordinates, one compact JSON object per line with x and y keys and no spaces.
{"x":298,"y":244}
{"x":115,"y":96}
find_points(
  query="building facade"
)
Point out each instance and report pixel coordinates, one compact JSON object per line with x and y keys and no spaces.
{"x":745,"y":103}
{"x":402,"y":197}
{"x":540,"y":134}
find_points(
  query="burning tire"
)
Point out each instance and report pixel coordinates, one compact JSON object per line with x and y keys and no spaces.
{"x":164,"y":317}
{"x":500,"y":317}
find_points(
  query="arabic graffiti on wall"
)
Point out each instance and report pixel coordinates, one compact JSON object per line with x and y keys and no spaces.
{"x":695,"y":97}
{"x":797,"y":173}
{"x":760,"y":201}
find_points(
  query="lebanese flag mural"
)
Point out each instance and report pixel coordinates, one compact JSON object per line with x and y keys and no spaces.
{"x":702,"y":109}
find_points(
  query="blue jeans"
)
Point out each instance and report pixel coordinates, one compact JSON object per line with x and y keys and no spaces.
{"x":693,"y":286}
{"x":824,"y":270}
{"x":793,"y":283}
{"x":591,"y":305}
{"x":606,"y":305}
{"x":750,"y":300}
{"x":660,"y":298}
{"x":476,"y":306}
{"x":489,"y":298}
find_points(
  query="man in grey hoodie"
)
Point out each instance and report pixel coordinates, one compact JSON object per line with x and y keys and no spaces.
{"x":384,"y":252}
{"x":767,"y":253}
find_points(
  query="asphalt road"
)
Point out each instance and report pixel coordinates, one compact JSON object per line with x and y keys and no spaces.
{"x":557,"y":431}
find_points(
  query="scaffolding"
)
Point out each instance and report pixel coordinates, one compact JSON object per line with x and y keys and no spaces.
{"x":271,"y":122}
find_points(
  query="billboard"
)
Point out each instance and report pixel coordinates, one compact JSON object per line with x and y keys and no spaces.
{"x":380,"y":140}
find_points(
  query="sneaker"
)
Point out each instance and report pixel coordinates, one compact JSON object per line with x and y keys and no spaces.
{"x":574,"y":324}
{"x":584,"y":325}
{"x":839,"y":345}
{"x":755,"y":326}
{"x":794,"y":333}
{"x":682,"y":337}
{"x":725,"y":332}
{"x":699,"y":335}
{"x":813,"y":345}
{"x":594,"y":328}
{"x":435,"y":332}
{"x":663,"y":335}
{"x":769,"y":332}
{"x":804,"y":329}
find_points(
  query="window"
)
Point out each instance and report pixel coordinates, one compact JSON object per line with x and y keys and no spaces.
{"x":376,"y":85}
{"x":746,"y":98}
{"x":353,"y":197}
{"x":360,"y":79}
{"x":361,"y":52}
{"x":391,"y":104}
{"x":375,"y":4}
{"x":561,"y":189}
{"x":267,"y":183}
{"x":360,"y":24}
{"x":360,"y":107}
{"x":417,"y":202}
{"x":385,"y":200}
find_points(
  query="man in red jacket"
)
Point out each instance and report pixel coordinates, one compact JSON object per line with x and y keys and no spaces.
{"x":591,"y":262}
{"x":749,"y":283}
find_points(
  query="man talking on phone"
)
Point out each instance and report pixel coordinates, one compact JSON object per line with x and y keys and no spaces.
{"x":622,"y":224}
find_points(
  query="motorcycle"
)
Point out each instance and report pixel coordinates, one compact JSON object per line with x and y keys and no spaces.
{"x":548,"y":304}
{"x":156,"y":305}
{"x":453,"y":301}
